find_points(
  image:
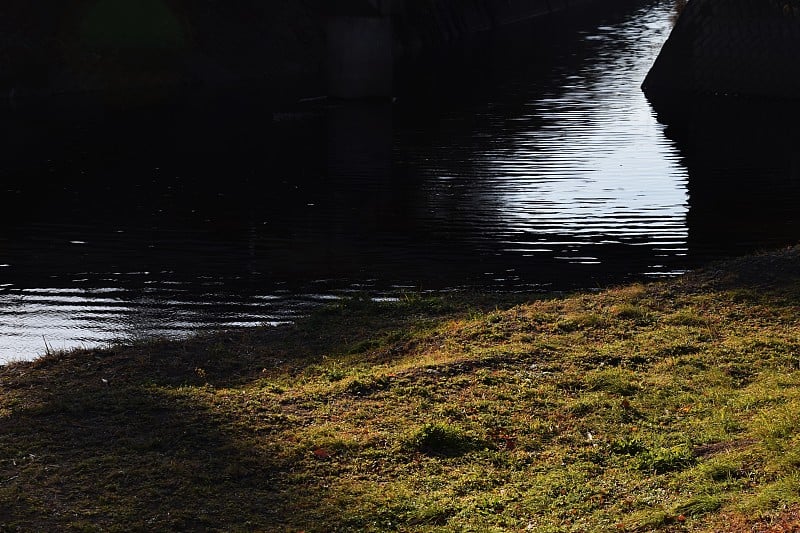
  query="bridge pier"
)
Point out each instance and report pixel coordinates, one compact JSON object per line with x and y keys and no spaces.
{"x":730,"y":47}
{"x":360,"y":59}
{"x":365,"y":38}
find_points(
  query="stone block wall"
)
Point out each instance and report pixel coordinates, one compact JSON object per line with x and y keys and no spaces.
{"x":731,"y":47}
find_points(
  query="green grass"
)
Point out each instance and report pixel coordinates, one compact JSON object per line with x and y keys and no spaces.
{"x":667,"y":406}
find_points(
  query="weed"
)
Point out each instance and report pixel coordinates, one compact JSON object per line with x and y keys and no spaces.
{"x":663,"y":460}
{"x":335,"y":373}
{"x":628,"y":446}
{"x":722,"y":470}
{"x":443,"y":439}
{"x":700,"y":505}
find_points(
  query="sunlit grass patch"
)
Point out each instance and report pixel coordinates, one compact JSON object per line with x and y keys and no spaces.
{"x":660,"y":460}
{"x":574,"y":322}
{"x":637,"y":314}
{"x":783,"y":492}
{"x":686,"y":317}
{"x":618,"y":381}
{"x":728,"y":467}
{"x":699,"y":505}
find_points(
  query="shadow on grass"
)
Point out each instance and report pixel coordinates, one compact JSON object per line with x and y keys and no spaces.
{"x":125,"y":455}
{"x":161,"y":435}
{"x":770,"y":278}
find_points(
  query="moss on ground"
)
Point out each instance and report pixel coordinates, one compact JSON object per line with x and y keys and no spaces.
{"x":667,"y":406}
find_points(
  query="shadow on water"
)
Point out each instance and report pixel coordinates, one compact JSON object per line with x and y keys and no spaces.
{"x":523,"y":161}
{"x":744,"y":171}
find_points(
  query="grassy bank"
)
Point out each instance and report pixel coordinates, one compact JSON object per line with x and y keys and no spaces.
{"x":667,"y":406}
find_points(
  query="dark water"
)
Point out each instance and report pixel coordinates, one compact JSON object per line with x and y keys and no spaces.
{"x":525,"y":162}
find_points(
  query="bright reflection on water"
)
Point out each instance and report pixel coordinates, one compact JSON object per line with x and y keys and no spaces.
{"x":534,"y":163}
{"x":595,"y":168}
{"x":572,"y":168}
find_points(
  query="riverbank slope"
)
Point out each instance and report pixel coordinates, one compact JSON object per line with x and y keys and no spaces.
{"x":665,"y":406}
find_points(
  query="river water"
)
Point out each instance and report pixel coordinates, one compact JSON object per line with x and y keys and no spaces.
{"x":527,"y":161}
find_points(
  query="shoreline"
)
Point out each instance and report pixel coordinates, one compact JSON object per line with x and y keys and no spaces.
{"x":672,"y":405}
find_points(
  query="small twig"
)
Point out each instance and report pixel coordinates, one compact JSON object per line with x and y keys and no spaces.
{"x":47,"y":348}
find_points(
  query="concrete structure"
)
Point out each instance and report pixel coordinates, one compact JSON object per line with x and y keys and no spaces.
{"x":285,"y":48}
{"x":366,"y":37}
{"x":359,"y":49}
{"x":732,"y":47}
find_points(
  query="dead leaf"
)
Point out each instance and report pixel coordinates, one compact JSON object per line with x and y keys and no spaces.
{"x":321,"y":453}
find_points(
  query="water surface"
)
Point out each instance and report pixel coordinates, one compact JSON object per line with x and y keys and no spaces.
{"x":528,"y":161}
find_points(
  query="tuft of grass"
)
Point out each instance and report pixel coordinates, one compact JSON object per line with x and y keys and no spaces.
{"x":725,"y":469}
{"x":700,"y":505}
{"x":635,"y":313}
{"x":782,"y":493}
{"x":442,"y":439}
{"x":776,"y":424}
{"x":618,"y":381}
{"x":630,"y":446}
{"x":663,"y":460}
{"x":577,"y":322}
{"x":686,"y":317}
